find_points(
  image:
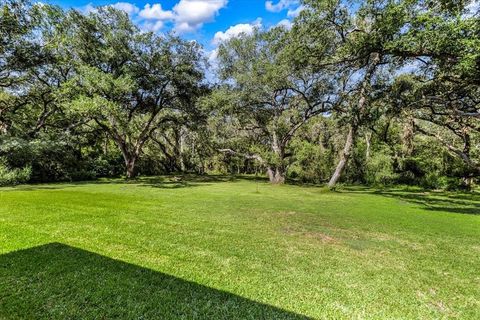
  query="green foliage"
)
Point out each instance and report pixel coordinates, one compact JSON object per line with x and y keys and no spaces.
{"x":13,"y":176}
{"x":380,"y":168}
{"x":314,"y":152}
{"x":311,"y":163}
{"x":58,"y":159}
{"x":84,"y":95}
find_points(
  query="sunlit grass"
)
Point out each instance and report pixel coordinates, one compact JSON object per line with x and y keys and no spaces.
{"x":356,"y":253}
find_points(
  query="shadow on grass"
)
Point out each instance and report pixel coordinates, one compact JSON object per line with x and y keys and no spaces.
{"x":181,"y":181}
{"x":56,"y":281}
{"x":453,"y":202}
{"x":162,"y":182}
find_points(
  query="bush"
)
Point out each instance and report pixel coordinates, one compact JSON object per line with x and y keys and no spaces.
{"x":379,"y":169}
{"x":13,"y":176}
{"x":310,"y":163}
{"x":56,"y":159}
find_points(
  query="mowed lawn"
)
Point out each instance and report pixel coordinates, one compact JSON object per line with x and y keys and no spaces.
{"x":211,"y":248}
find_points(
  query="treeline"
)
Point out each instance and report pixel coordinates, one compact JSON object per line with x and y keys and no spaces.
{"x":376,"y":92}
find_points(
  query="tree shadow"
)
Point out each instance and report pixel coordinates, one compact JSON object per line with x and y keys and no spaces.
{"x":59,"y":185}
{"x":453,"y":202}
{"x":57,"y":281}
{"x":182,"y":180}
{"x":161,"y":182}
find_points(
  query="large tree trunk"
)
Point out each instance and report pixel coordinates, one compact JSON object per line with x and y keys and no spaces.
{"x":361,"y":110}
{"x":130,"y":166}
{"x":276,"y":175}
{"x":178,"y":148}
{"x":347,"y":150}
{"x":181,"y":147}
{"x":130,"y":158}
{"x":276,"y":172}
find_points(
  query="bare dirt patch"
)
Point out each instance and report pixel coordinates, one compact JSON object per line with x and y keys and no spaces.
{"x":309,"y":234}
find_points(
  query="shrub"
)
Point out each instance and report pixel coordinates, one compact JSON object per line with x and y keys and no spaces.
{"x":13,"y":176}
{"x":379,"y":169}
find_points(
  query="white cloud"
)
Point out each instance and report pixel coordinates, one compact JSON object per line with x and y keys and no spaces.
{"x":185,"y":27}
{"x":281,"y":5}
{"x":155,"y":12}
{"x":152,"y":26}
{"x":87,"y":8}
{"x":293,"y":13}
{"x":186,"y":15}
{"x":235,"y":31}
{"x":287,"y":24}
{"x":192,"y":14}
{"x":127,"y":7}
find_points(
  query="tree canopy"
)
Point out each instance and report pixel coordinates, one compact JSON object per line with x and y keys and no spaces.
{"x":374,"y":91}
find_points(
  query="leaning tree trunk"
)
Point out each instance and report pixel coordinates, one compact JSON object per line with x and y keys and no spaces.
{"x":361,"y":106}
{"x":347,"y":150}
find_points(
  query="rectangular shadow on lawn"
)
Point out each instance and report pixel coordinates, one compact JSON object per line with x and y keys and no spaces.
{"x":56,"y":281}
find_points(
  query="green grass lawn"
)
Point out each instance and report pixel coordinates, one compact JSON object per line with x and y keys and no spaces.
{"x":213,"y":248}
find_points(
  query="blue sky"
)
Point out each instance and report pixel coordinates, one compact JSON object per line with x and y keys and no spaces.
{"x":207,"y":21}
